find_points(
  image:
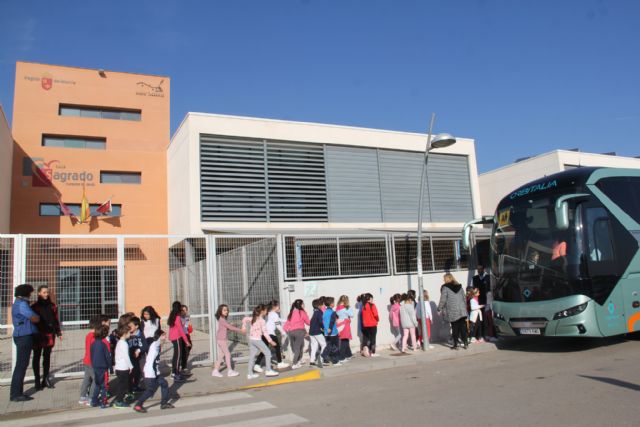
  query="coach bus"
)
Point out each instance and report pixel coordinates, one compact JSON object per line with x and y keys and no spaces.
{"x":564,"y":255}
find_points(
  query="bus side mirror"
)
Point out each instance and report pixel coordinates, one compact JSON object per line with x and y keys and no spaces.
{"x":466,"y":229}
{"x":562,"y":216}
{"x":562,"y":209}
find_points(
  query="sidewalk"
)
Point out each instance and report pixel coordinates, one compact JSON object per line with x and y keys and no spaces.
{"x":65,"y":395}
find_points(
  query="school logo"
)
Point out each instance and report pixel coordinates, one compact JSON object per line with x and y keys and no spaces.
{"x":45,"y":174}
{"x":46,"y":81}
{"x":146,"y":89}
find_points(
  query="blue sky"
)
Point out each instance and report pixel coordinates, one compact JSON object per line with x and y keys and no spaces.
{"x":520,"y":77}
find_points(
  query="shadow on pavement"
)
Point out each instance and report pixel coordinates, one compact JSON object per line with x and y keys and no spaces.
{"x":555,"y":344}
{"x":614,"y":381}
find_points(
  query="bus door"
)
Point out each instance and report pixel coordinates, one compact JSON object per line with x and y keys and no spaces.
{"x":601,"y":259}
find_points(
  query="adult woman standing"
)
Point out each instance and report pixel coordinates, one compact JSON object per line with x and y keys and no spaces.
{"x":43,"y":342}
{"x":295,"y":327}
{"x":454,"y":308}
{"x":23,"y":319}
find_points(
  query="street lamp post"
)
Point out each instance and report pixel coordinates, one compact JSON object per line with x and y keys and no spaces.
{"x":440,"y":141}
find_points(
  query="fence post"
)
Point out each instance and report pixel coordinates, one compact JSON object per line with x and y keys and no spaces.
{"x":212,"y":293}
{"x":283,"y":290}
{"x":19,"y":277}
{"x":120,"y":258}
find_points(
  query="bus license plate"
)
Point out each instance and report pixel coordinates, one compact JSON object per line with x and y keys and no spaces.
{"x":529,"y":331}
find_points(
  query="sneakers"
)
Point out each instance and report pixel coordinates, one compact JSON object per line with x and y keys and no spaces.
{"x":473,"y":340}
{"x":252,"y":376}
{"x":481,"y":340}
{"x":282,"y":365}
{"x":101,"y":405}
{"x":166,"y":406}
{"x":258,"y":369}
{"x":178,"y":378}
{"x":431,"y":347}
{"x":271,"y":373}
{"x":232,"y":373}
{"x":375,"y":355}
{"x":140,"y":408}
{"x":296,"y":366}
{"x":84,"y":401}
{"x":393,"y":347}
{"x":365,"y":351}
{"x":120,"y":405}
{"x":216,"y":373}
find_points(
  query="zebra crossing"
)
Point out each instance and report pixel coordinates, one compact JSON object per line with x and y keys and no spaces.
{"x":223,"y":410}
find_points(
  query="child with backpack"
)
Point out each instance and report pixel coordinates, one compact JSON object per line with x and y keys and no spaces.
{"x":345,"y":314}
{"x":329,"y":320}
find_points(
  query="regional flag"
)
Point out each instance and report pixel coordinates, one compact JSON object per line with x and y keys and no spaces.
{"x":105,"y":208}
{"x":64,"y":208}
{"x":85,"y":209}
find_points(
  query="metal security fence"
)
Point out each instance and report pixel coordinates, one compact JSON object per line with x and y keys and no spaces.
{"x":91,"y":275}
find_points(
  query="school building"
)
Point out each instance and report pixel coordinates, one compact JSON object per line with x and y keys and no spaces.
{"x":496,"y":184}
{"x":99,"y":136}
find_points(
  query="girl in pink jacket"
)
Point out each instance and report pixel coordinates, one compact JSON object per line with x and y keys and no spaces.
{"x":258,"y":330}
{"x":178,"y":339}
{"x":221,"y":340}
{"x":394,"y":320}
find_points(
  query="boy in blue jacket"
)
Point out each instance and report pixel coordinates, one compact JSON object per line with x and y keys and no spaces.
{"x":329,"y":319}
{"x":316,"y":335}
{"x":101,"y":363}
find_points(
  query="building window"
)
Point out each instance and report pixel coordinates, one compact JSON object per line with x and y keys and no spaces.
{"x":120,"y":177}
{"x":53,"y":209}
{"x":438,"y":254}
{"x":74,"y":142}
{"x":100,"y":112}
{"x":337,"y":256}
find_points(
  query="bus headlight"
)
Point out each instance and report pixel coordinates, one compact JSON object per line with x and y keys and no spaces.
{"x":570,"y":311}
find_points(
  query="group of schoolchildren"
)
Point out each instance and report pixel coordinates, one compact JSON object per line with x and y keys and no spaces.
{"x":328,"y":331}
{"x":405,"y":315}
{"x":131,"y":351}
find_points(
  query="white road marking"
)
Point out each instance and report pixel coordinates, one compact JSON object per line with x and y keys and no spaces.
{"x":276,"y":421}
{"x":81,"y":414}
{"x":167,"y":417}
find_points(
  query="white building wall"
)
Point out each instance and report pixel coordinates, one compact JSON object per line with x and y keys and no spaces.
{"x":6,"y":159}
{"x":496,"y":184}
{"x":382,"y":288}
{"x":195,"y":124}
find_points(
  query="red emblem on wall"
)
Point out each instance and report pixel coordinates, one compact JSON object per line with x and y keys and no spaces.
{"x":47,"y":83}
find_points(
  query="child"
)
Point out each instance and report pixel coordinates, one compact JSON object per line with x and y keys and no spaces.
{"x":316,"y":335}
{"x":152,"y":377}
{"x":345,"y":314}
{"x":123,"y":367}
{"x":408,"y":321}
{"x":101,"y":363}
{"x":274,"y":323}
{"x":369,"y":325}
{"x":296,"y":322}
{"x":475,"y":316}
{"x":394,"y":320}
{"x":136,"y":345}
{"x":188,"y":328}
{"x":150,"y":324}
{"x":329,"y":319}
{"x":88,"y":382}
{"x":221,"y":340}
{"x":178,"y":339}
{"x":113,"y":337}
{"x":257,"y":331}
{"x":426,"y":309}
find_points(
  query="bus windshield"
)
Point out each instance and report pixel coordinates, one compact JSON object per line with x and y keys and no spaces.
{"x":532,"y":260}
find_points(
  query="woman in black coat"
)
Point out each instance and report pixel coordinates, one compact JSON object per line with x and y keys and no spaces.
{"x":48,"y":329}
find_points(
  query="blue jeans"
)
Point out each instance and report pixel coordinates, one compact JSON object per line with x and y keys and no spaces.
{"x":24,"y":344}
{"x":152,"y":385}
{"x":100,"y":389}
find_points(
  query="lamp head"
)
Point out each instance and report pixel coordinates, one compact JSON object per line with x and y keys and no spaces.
{"x":442,"y":140}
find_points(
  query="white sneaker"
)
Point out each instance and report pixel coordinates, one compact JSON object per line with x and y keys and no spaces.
{"x":375,"y":355}
{"x":252,"y":376}
{"x":296,"y":366}
{"x":271,"y":373}
{"x":431,"y":347}
{"x":233,"y":373}
{"x":282,"y":365}
{"x":216,"y":373}
{"x":257,"y":369}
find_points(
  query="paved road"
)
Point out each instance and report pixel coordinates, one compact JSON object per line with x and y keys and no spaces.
{"x":528,"y":382}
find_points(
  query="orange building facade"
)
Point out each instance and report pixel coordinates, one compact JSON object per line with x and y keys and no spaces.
{"x":100,"y":134}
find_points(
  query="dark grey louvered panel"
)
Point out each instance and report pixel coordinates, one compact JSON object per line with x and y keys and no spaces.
{"x":450,"y":187}
{"x":353,"y":185}
{"x":448,"y":181}
{"x":296,"y":179}
{"x":232,"y":180}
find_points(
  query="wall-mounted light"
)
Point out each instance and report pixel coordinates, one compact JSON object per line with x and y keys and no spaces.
{"x":102,"y":73}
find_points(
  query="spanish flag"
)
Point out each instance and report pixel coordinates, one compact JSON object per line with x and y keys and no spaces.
{"x":85,"y":209}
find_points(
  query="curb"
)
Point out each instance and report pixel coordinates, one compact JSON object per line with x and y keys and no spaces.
{"x":306,"y":376}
